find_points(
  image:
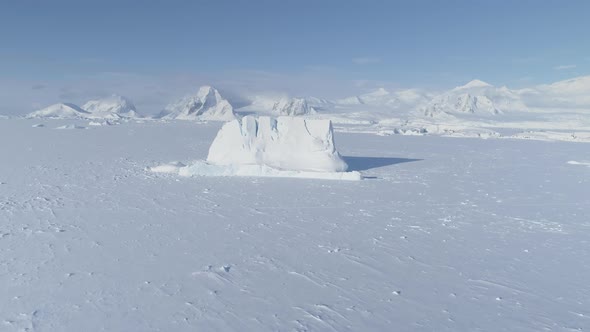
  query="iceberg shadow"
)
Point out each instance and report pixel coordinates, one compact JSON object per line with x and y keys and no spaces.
{"x":366,"y":163}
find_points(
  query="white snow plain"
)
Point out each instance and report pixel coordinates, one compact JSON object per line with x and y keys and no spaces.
{"x":445,"y":234}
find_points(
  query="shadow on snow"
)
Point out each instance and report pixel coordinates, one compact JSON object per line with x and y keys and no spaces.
{"x":366,"y":163}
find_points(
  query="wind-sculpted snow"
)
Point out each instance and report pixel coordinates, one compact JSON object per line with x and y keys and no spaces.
{"x":207,"y":104}
{"x":286,"y":143}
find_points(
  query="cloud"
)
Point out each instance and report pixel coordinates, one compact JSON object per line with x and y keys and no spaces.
{"x":366,"y":60}
{"x":564,"y":67}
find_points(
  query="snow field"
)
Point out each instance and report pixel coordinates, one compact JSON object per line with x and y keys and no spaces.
{"x":446,"y":234}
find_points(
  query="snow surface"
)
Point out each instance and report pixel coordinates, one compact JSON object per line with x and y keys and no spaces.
{"x":202,"y":168}
{"x":207,"y":104}
{"x":451,"y":234}
{"x":284,"y":143}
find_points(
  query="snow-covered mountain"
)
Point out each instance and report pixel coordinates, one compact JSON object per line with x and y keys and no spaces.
{"x":206,"y":104}
{"x":60,"y":111}
{"x":571,"y":93}
{"x":112,"y":107}
{"x":292,"y":106}
{"x":476,"y":97}
{"x":283,"y":105}
{"x":402,"y":99}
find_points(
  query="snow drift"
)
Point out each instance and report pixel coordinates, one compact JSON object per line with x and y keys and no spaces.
{"x":112,"y":107}
{"x":207,"y":104}
{"x":287,"y":143}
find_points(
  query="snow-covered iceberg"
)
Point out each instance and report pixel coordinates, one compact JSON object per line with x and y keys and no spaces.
{"x":207,"y":104}
{"x":288,"y":143}
{"x":270,"y":147}
{"x":113,"y":107}
{"x":60,"y":111}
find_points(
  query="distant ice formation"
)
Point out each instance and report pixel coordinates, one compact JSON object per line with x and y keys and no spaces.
{"x":475,"y":97}
{"x":112,"y":107}
{"x":293,"y":106}
{"x":207,"y":104}
{"x":60,"y":111}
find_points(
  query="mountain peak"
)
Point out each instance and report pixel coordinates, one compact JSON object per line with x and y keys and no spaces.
{"x":114,"y":106}
{"x":475,"y":84}
{"x":207,"y":104}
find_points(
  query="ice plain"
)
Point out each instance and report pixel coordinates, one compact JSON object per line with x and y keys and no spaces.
{"x":443,"y":234}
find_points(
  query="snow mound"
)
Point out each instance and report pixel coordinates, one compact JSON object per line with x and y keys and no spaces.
{"x":293,"y":106}
{"x":112,"y":107}
{"x":202,"y":168}
{"x":59,"y":111}
{"x":207,"y":104}
{"x":287,"y":143}
{"x":172,"y":167}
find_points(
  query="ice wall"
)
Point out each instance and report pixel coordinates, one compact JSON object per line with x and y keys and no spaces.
{"x":287,"y":143}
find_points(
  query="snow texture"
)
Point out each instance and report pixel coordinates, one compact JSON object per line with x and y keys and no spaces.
{"x":207,"y":104}
{"x":201,"y":168}
{"x":285,"y":143}
{"x":444,"y":234}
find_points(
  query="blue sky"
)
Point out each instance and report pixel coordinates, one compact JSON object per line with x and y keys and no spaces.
{"x":303,"y":45}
